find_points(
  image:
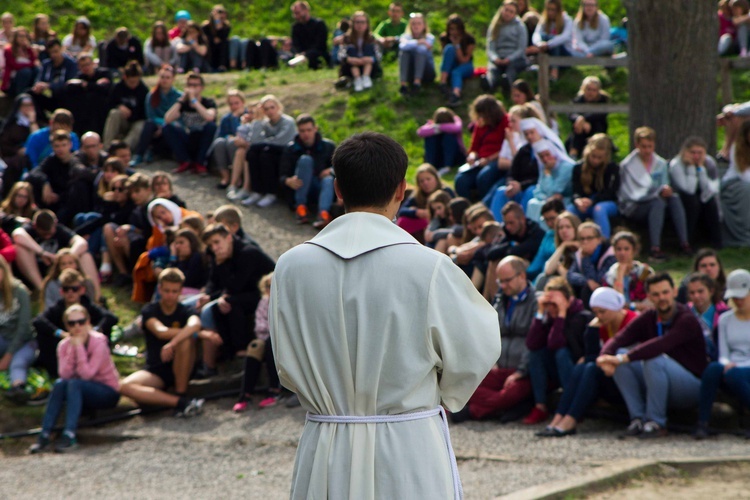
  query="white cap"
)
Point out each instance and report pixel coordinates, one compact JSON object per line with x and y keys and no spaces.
{"x":738,"y":284}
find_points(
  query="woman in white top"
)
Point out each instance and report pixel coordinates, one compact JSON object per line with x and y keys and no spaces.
{"x":591,"y":31}
{"x":553,"y":34}
{"x":733,"y":366}
{"x":159,"y":49}
{"x":415,"y":60}
{"x":81,"y":40}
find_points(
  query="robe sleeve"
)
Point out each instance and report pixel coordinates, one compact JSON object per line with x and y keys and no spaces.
{"x":464,"y":333}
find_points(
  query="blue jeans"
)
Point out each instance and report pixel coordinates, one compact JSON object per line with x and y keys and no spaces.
{"x":735,"y":381}
{"x":237,"y":49}
{"x":587,"y":383}
{"x":499,"y":199}
{"x":312,"y":184}
{"x":147,"y":136}
{"x":78,"y":394}
{"x":546,"y":364}
{"x":442,"y":150}
{"x":192,"y":146}
{"x":649,"y":387}
{"x":95,"y":236}
{"x":22,"y":81}
{"x":457,"y":72}
{"x":206,"y":314}
{"x":481,"y":179}
{"x":22,"y":359}
{"x":560,"y":50}
{"x":601,"y":213}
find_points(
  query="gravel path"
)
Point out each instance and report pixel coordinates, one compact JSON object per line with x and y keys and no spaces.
{"x":224,"y":455}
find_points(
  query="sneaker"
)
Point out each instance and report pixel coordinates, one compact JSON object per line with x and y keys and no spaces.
{"x":454,"y":101}
{"x":149,"y":157}
{"x":366,"y":82}
{"x":358,"y":85}
{"x":484,"y":84}
{"x":445,"y":90}
{"x":39,"y":398}
{"x":301,"y":214}
{"x":342,"y":83}
{"x":200,"y":170}
{"x":269,"y":402}
{"x":193,"y":408}
{"x":416,"y":89}
{"x":403,"y":90}
{"x":634,"y":429}
{"x":657,"y":256}
{"x":701,"y":432}
{"x":537,"y":416}
{"x":240,"y":406}
{"x":205,"y":372}
{"x":237,"y":194}
{"x":251,"y":199}
{"x":17,"y":394}
{"x":267,"y":200}
{"x":42,"y":444}
{"x":222,"y":185}
{"x":66,"y":444}
{"x":135,"y":161}
{"x":184,"y":167}
{"x":444,"y":171}
{"x":687,"y":250}
{"x":652,"y":430}
{"x":322,"y":221}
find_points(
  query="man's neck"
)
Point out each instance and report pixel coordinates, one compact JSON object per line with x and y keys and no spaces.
{"x":666,"y":317}
{"x":167,"y":308}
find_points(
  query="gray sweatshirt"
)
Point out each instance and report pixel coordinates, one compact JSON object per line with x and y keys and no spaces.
{"x":510,"y":43}
{"x":734,"y":340}
{"x":514,"y":328}
{"x":279,"y":134}
{"x":15,"y":322}
{"x":587,"y":39}
{"x":689,"y":178}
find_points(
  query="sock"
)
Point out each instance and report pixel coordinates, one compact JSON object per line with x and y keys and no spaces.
{"x":182,"y":403}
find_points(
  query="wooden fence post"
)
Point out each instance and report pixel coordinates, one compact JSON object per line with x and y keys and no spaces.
{"x":543,"y":87}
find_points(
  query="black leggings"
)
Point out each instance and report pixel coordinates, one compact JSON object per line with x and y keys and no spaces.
{"x":251,"y":372}
{"x":263,"y":162}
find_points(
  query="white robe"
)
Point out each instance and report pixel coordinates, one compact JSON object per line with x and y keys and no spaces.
{"x":366,"y":321}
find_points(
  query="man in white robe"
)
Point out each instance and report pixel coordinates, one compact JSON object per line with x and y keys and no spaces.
{"x":365,"y":321}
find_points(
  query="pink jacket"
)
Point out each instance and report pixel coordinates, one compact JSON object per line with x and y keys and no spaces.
{"x":261,"y":320}
{"x":88,"y":362}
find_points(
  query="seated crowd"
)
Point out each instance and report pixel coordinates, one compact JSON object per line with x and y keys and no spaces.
{"x":531,"y":219}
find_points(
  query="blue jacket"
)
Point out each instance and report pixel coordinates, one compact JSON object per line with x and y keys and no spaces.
{"x":546,"y":249}
{"x":38,"y":146}
{"x":69,"y":71}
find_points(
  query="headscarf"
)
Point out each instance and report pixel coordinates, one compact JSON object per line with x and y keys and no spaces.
{"x":607,"y":298}
{"x":549,"y":134}
{"x":169,"y":205}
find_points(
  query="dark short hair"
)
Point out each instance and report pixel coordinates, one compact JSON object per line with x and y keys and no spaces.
{"x":62,"y":116}
{"x":514,"y":207}
{"x":555,"y":204}
{"x":116,"y":146}
{"x":139,"y":180}
{"x":44,"y":220}
{"x":369,"y":168}
{"x":195,"y":76}
{"x":305,"y":118}
{"x":55,"y":42}
{"x":658,"y":278}
{"x":59,"y":135}
{"x":216,"y":228}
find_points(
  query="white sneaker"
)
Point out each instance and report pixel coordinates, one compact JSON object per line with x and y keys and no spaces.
{"x":366,"y":82}
{"x":251,"y":199}
{"x":238,"y":194}
{"x":267,"y":200}
{"x":358,"y":84}
{"x":231,"y":192}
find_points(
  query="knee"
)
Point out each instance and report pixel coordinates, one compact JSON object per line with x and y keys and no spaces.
{"x":305,"y":162}
{"x":563,"y":355}
{"x":733,"y":377}
{"x":73,"y":385}
{"x":256,"y":349}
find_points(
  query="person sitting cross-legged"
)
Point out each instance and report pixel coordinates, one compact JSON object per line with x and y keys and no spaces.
{"x":305,"y":169}
{"x":170,"y":329}
{"x":88,"y":379}
{"x":657,"y":360}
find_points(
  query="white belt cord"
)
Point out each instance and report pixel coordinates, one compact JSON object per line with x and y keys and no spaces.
{"x":404,"y":417}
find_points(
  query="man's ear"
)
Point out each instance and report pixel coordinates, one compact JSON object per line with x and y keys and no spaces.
{"x":400,"y":192}
{"x":337,"y":190}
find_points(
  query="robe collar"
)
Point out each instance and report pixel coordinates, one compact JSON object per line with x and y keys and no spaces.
{"x":358,"y":233}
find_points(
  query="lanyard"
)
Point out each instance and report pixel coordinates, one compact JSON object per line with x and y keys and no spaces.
{"x":660,"y":327}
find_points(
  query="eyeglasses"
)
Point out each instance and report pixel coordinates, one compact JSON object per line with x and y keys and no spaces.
{"x":74,"y":322}
{"x":506,"y":280}
{"x":67,"y":289}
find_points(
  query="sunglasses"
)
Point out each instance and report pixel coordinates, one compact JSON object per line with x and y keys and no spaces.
{"x":67,"y":289}
{"x":74,"y":322}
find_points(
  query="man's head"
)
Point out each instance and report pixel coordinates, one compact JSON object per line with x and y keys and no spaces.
{"x":513,"y":218}
{"x":55,"y":51}
{"x":395,"y":12}
{"x":120,"y":150}
{"x":86,"y":64}
{"x":370,"y":170}
{"x":644,"y":139}
{"x":71,"y":286}
{"x":170,"y":283}
{"x":61,"y":144}
{"x":301,"y":11}
{"x":306,"y":129}
{"x":550,"y":210}
{"x":511,"y":275}
{"x":91,"y":145}
{"x":661,"y":292}
{"x":139,"y":187}
{"x":45,"y":223}
{"x":76,"y":317}
{"x":230,"y":216}
{"x":557,"y":290}
{"x":195,"y":84}
{"x":61,"y":119}
{"x":218,"y":238}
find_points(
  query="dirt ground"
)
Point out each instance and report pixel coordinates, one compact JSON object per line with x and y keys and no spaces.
{"x":717,"y":481}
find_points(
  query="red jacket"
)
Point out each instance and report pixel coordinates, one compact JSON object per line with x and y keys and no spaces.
{"x":12,"y":65}
{"x":487,"y":141}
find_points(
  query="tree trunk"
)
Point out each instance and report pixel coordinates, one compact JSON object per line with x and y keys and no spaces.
{"x":673,"y":63}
